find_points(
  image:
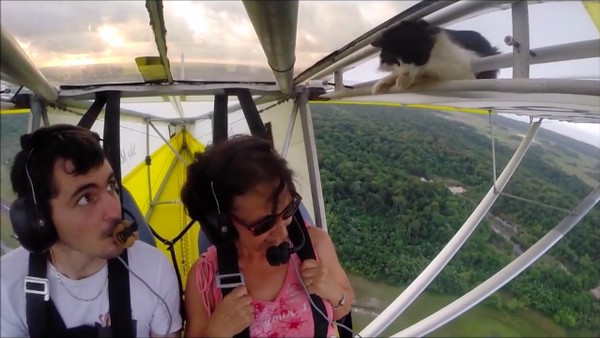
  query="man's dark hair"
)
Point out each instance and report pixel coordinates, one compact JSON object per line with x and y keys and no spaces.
{"x":41,"y":149}
{"x":234,"y":167}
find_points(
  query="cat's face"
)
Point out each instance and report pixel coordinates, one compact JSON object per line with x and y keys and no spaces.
{"x":406,"y":47}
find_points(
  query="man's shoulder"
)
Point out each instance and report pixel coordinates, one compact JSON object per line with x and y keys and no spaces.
{"x":14,"y":266}
{"x":143,"y":255}
{"x":14,"y":261}
{"x":146,"y":252}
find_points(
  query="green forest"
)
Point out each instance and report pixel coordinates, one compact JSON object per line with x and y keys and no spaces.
{"x":386,"y":174}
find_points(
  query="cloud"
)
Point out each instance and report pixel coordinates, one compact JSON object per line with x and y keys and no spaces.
{"x":58,"y":33}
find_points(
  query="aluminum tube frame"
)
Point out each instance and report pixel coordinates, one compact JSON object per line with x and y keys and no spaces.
{"x":275,"y":24}
{"x":397,"y":307}
{"x":417,"y":11}
{"x":523,"y":86}
{"x":39,"y":114}
{"x":167,"y":143}
{"x":467,"y":9}
{"x":148,"y":163}
{"x":152,"y":203}
{"x":16,"y":65}
{"x":347,"y":63}
{"x":520,"y":25}
{"x":338,"y":79}
{"x":151,"y":90}
{"x":312,"y":159}
{"x":290,"y":129}
{"x":563,"y":52}
{"x":504,"y":276}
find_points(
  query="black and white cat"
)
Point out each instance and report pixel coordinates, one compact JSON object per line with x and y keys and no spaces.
{"x":417,"y":54}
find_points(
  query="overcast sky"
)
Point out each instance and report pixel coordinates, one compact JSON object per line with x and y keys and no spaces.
{"x":60,"y":33}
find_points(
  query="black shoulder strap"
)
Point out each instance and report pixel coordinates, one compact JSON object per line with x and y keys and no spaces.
{"x":307,"y":251}
{"x":228,"y":276}
{"x":37,"y":294}
{"x":119,"y":298}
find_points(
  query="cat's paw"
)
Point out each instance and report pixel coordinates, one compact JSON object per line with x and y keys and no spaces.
{"x":404,"y":82}
{"x":381,"y":87}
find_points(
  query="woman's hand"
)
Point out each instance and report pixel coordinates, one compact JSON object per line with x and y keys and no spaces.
{"x":318,"y":281}
{"x":232,"y":314}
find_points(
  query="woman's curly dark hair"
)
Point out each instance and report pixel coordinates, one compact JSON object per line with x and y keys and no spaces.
{"x":234,"y":167}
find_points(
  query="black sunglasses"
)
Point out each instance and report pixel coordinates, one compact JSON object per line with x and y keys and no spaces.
{"x":268,"y":222}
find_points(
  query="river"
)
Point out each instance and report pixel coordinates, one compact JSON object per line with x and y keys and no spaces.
{"x":481,"y":321}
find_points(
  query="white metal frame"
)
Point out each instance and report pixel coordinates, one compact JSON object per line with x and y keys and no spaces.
{"x":312,"y":159}
{"x":502,"y":277}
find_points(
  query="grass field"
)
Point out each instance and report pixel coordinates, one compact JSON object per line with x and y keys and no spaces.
{"x":480,"y":321}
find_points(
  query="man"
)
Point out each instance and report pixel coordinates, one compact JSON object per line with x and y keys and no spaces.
{"x":67,"y":212}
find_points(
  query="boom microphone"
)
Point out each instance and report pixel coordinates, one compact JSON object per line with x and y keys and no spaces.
{"x":280,"y":254}
{"x":125,"y":234}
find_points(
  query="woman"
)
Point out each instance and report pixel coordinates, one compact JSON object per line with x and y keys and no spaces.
{"x":245,"y":184}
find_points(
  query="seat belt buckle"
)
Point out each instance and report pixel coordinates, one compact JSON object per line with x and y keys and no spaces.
{"x":229,"y":280}
{"x":37,"y":286}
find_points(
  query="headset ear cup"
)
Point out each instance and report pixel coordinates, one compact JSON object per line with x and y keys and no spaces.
{"x":226,"y":230}
{"x":34,"y":232}
{"x":218,"y":228}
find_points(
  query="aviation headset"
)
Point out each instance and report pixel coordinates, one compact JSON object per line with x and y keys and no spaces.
{"x":37,"y":233}
{"x":32,"y":229}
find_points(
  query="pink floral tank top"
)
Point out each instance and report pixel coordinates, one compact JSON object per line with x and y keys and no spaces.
{"x":289,"y":315}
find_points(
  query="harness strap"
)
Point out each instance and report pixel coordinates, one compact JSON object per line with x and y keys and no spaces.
{"x":228,"y":276}
{"x":307,"y":251}
{"x":119,"y":298}
{"x":36,"y":302}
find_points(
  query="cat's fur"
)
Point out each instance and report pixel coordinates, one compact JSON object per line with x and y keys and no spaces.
{"x":418,"y":54}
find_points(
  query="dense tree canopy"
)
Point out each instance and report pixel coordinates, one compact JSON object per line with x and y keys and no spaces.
{"x":385,"y":174}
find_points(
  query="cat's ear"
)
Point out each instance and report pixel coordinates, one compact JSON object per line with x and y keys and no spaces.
{"x":376,"y":42}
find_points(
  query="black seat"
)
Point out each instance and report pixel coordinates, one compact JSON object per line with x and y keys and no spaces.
{"x":143,"y":228}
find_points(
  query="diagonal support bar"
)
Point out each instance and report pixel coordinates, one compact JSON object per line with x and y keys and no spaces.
{"x":167,"y":143}
{"x":16,"y":65}
{"x":312,"y":160}
{"x":91,"y":115}
{"x":502,"y":277}
{"x":255,"y":123}
{"x":290,"y":130}
{"x":441,"y":260}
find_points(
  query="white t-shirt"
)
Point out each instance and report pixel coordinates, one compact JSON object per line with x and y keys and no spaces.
{"x":147,"y":310}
